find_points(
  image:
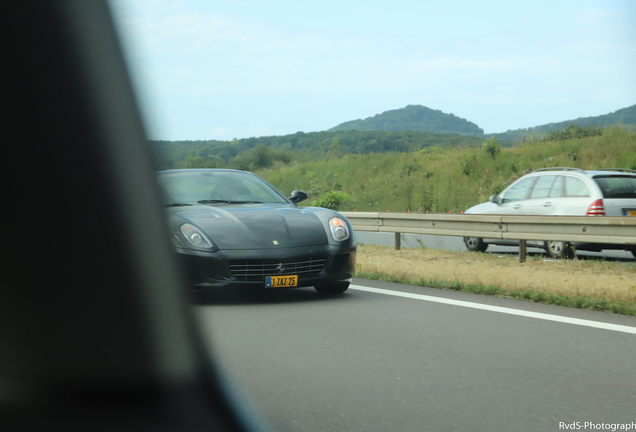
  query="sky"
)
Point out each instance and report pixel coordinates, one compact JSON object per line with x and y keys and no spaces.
{"x":219,"y":70}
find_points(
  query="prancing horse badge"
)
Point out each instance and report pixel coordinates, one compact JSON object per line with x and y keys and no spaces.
{"x":275,"y":242}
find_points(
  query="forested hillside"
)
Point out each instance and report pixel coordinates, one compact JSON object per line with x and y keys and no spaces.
{"x":263,"y":152}
{"x":413,"y":118}
{"x":420,"y":118}
{"x":626,"y":116}
{"x":255,"y":153}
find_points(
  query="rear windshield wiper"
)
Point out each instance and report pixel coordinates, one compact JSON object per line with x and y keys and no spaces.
{"x":177,"y":204}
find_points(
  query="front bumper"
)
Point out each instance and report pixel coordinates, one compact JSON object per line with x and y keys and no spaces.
{"x":218,"y":269}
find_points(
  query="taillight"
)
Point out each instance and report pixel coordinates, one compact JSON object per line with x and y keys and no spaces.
{"x":596,"y":209}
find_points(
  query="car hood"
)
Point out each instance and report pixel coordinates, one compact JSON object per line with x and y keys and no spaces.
{"x":484,"y":208}
{"x":256,"y":226}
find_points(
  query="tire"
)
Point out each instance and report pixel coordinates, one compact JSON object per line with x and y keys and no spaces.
{"x":334,"y":288}
{"x":475,"y":244}
{"x":557,"y":249}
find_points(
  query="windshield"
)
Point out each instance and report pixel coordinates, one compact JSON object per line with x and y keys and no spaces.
{"x":215,"y":187}
{"x":617,"y":186}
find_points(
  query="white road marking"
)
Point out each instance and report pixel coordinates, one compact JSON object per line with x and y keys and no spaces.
{"x":499,"y":309}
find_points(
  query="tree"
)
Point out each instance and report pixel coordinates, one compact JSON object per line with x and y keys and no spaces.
{"x":334,"y":149}
{"x":262,"y":156}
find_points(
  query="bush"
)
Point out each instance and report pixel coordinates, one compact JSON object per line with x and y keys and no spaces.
{"x":574,"y":131}
{"x":335,"y":200}
{"x":491,"y":147}
{"x":468,"y":164}
{"x":260,"y":157}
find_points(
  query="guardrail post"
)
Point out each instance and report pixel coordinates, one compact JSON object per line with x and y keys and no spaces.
{"x":522,"y":251}
{"x":398,"y":241}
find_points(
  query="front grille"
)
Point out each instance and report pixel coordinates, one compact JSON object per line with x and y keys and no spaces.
{"x":256,"y":270}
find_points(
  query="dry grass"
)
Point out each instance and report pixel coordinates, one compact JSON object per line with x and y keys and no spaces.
{"x":598,"y":280}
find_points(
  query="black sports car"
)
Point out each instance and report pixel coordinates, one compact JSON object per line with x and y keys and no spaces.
{"x":233,"y":229}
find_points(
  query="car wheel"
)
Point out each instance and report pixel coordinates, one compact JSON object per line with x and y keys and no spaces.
{"x":334,"y":288}
{"x":557,"y":249}
{"x":475,"y":244}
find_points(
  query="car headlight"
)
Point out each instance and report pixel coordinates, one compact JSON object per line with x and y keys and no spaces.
{"x":195,"y":236}
{"x":339,"y":229}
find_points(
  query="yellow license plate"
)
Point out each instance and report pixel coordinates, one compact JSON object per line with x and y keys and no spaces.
{"x":281,"y":281}
{"x":631,"y":213}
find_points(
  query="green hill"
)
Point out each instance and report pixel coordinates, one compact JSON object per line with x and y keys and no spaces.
{"x":627,"y":116}
{"x":391,"y":131}
{"x":413,"y":118}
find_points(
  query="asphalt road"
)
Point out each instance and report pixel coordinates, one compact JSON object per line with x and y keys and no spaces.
{"x":374,"y":361}
{"x":457,"y":244}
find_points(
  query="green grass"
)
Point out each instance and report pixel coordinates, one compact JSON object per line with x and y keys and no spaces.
{"x":443,"y":179}
{"x":578,"y":302}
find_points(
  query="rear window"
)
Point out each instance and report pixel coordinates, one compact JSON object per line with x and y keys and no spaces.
{"x":617,"y":186}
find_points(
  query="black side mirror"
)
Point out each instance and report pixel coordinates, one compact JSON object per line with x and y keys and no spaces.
{"x":298,"y":196}
{"x":495,"y":199}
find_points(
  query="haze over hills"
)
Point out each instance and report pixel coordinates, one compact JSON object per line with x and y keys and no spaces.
{"x":415,"y":118}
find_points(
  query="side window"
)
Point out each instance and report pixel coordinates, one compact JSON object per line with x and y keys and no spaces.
{"x":542,"y":187}
{"x":519,"y":191}
{"x":575,"y":187}
{"x":557,"y":188}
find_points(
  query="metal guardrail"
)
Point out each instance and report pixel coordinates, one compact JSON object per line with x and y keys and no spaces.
{"x":592,"y":229}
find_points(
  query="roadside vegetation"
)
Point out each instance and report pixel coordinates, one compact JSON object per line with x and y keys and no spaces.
{"x":443,"y":179}
{"x":583,"y":284}
{"x":250,"y":154}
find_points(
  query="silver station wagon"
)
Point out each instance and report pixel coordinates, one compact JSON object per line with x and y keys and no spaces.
{"x":562,"y":191}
